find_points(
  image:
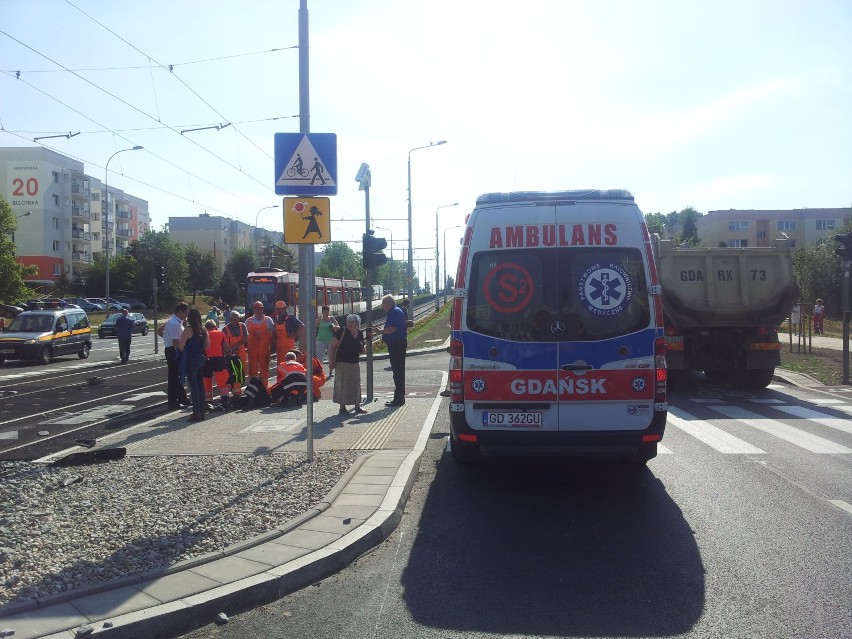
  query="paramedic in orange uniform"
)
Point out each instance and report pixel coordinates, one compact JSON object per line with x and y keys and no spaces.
{"x":236,"y":339}
{"x":318,"y":373}
{"x":288,"y":329}
{"x":261,"y":341}
{"x":216,"y":353}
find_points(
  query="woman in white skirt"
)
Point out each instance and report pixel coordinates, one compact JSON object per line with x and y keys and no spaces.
{"x":343,"y":355}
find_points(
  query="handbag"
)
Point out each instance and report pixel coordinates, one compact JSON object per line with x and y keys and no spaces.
{"x":208,"y":367}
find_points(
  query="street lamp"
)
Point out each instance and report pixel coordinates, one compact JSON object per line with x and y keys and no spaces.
{"x":438,"y":254}
{"x":444,"y":285}
{"x":18,"y":217}
{"x":257,"y":230}
{"x":410,"y":239}
{"x":105,"y":210}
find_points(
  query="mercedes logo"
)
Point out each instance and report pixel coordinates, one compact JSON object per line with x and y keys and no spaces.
{"x":557,"y":328}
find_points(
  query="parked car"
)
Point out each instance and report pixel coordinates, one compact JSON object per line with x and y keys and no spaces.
{"x":49,"y":302}
{"x":114,"y":305}
{"x":135,"y":305}
{"x":10,"y":311}
{"x":42,"y":335}
{"x":86,"y":305}
{"x":107,"y":327}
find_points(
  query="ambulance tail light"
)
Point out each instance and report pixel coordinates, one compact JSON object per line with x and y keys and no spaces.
{"x":661,"y":373}
{"x":456,"y":372}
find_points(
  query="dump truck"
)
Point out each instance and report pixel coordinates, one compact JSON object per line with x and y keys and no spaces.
{"x":722,"y":308}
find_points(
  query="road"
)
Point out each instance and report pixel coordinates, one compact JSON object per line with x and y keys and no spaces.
{"x":741,"y":527}
{"x":46,"y":408}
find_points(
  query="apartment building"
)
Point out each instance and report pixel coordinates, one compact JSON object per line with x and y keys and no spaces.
{"x":221,"y":236}
{"x":740,"y":228}
{"x":62,"y":221}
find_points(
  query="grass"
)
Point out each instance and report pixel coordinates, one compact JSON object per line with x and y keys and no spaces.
{"x":823,"y":364}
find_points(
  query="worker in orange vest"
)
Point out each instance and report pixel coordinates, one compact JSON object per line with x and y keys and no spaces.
{"x":318,"y":372}
{"x":236,"y":340}
{"x":216,"y":354}
{"x":288,"y":329}
{"x":261,"y":343}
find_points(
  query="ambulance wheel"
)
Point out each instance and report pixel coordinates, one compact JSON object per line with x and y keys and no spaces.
{"x":46,"y":355}
{"x":645,"y":453}
{"x":144,"y":331}
{"x":462,"y":453}
{"x":84,"y":352}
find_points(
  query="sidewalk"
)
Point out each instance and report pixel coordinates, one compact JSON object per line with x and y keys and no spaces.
{"x":358,"y":514}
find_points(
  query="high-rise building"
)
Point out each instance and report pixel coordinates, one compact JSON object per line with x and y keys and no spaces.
{"x":62,"y":223}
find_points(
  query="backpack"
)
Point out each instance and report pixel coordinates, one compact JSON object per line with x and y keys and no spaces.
{"x":256,"y":391}
{"x":234,"y":366}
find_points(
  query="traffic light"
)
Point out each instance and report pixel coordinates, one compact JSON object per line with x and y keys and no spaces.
{"x":845,"y":248}
{"x":372,"y":251}
{"x":162,"y":276}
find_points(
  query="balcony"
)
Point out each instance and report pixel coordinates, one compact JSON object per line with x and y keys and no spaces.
{"x":79,"y":211}
{"x":81,"y":256}
{"x":124,"y":215}
{"x":79,"y":191}
{"x":124,"y":233}
{"x":81,"y":234}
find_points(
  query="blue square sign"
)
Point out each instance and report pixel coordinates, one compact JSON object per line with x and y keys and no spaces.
{"x":306,"y":164}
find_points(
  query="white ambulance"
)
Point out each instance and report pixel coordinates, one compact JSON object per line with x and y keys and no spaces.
{"x":557,"y":329}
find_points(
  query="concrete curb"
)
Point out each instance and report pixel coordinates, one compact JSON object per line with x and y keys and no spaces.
{"x":196,"y":610}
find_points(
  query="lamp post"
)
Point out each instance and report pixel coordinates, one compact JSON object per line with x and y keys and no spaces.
{"x":105,"y":210}
{"x":410,"y":238}
{"x":18,"y":217}
{"x":444,"y":285}
{"x":438,"y":253}
{"x":257,"y":230}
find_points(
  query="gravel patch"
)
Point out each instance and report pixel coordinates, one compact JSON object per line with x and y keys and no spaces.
{"x":64,"y":528}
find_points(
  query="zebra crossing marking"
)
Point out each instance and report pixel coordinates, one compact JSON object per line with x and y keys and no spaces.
{"x":801,"y":412}
{"x":711,"y":435}
{"x":781,"y":430}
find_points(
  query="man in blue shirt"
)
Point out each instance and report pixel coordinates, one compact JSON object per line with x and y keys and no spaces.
{"x":124,"y":332}
{"x":395,"y":335}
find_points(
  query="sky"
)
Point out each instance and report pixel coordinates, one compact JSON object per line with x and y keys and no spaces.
{"x":711,"y":104}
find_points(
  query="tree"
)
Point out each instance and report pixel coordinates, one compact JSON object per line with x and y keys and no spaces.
{"x":232,"y":284}
{"x":153,"y":250}
{"x":341,"y":261}
{"x":12,"y":273}
{"x":818,"y":272}
{"x":201,"y":269}
{"x":656,"y":223}
{"x":688,"y":218}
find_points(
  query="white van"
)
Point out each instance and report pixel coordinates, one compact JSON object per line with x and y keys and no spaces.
{"x":557,"y":331}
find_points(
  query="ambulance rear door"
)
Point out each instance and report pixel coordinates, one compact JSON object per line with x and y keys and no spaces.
{"x":510,"y":366}
{"x":602,"y":328}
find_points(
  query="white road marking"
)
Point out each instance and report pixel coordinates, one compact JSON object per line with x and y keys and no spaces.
{"x":837,"y":423}
{"x":841,"y":504}
{"x":781,"y":430}
{"x":711,"y":435}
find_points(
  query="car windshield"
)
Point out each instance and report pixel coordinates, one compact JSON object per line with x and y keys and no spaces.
{"x":31,"y":324}
{"x":113,"y":317}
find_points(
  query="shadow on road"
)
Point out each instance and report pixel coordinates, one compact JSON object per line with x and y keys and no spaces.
{"x":553,"y":547}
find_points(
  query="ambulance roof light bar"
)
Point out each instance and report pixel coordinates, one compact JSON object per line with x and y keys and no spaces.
{"x":546,"y":196}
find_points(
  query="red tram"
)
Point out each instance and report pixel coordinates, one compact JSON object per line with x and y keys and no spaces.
{"x":271,"y":285}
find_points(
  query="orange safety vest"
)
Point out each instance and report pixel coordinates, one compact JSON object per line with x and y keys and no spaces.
{"x":284,"y":342}
{"x":259,"y":336}
{"x":235,"y":343}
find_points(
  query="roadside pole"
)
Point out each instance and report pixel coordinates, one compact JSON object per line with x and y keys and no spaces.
{"x":156,"y":313}
{"x":364,"y":178}
{"x":847,"y":267}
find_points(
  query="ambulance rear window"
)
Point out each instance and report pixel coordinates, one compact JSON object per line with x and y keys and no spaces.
{"x":558,"y":294}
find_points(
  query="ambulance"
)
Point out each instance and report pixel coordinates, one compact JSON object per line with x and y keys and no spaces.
{"x":557,"y":344}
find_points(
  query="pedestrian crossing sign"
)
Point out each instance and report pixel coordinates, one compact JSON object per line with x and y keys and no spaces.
{"x":306,"y":220}
{"x":306,"y":164}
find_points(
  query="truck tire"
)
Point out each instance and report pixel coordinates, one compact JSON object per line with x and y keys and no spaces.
{"x":756,"y":378}
{"x":84,"y":352}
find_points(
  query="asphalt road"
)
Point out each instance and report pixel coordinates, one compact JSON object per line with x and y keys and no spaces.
{"x":46,"y":408}
{"x":740,"y":528}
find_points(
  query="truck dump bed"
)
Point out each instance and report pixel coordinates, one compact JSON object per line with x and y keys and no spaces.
{"x":710,"y":287}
